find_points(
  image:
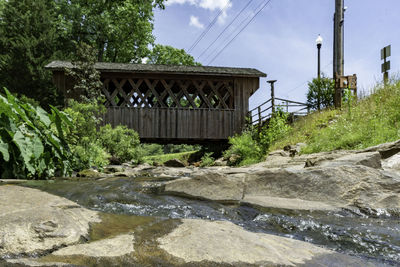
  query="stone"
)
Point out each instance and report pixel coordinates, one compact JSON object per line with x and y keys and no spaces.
{"x":113,"y":169}
{"x":110,"y":247}
{"x":221,"y":162}
{"x":281,"y":153}
{"x":90,"y":173}
{"x":233,"y":159}
{"x":208,"y":243}
{"x":176,"y":163}
{"x":209,"y":185}
{"x":386,"y":150}
{"x":369,"y":159}
{"x":32,"y":221}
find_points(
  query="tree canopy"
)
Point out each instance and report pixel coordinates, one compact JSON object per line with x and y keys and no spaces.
{"x":321,"y":93}
{"x":168,"y":55}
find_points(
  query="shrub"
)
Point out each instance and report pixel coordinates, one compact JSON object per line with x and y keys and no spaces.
{"x":321,"y":93}
{"x":122,"y":143}
{"x":276,"y":128}
{"x":244,"y":149}
{"x":32,"y":141}
{"x":207,"y":160}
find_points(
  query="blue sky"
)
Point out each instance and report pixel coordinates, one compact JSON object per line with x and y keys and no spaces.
{"x":280,"y":41}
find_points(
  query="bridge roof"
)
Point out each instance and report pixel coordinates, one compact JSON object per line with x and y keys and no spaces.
{"x":164,"y":69}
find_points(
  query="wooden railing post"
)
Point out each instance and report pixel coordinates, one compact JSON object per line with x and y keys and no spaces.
{"x":271,"y":82}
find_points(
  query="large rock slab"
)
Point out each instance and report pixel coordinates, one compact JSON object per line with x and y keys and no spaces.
{"x":220,"y":242}
{"x":211,"y":185}
{"x":32,"y":221}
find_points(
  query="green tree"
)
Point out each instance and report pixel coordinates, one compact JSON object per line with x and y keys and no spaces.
{"x":168,"y":55}
{"x":120,"y":30}
{"x":321,"y":92}
{"x":28,"y":40}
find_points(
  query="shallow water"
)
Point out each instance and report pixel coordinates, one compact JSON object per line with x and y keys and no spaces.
{"x":345,"y":231}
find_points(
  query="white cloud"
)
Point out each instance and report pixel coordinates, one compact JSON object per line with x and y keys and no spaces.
{"x":207,"y":4}
{"x":194,"y":21}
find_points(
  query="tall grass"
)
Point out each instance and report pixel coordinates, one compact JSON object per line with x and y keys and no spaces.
{"x":370,"y":121}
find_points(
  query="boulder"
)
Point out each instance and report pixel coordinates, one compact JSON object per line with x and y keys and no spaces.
{"x":369,"y":159}
{"x":209,"y":243}
{"x":32,"y":221}
{"x":221,"y":162}
{"x":176,"y":163}
{"x":386,"y":150}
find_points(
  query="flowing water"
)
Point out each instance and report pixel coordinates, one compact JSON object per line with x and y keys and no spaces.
{"x":351,"y":232}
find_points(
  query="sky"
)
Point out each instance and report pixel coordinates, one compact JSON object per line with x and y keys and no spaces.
{"x":280,"y":40}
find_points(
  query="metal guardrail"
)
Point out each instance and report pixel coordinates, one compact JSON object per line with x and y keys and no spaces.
{"x":260,"y":114}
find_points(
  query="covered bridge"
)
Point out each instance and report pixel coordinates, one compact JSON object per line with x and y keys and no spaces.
{"x":172,"y":104}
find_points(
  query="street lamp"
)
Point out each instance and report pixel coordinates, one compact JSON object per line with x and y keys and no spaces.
{"x":319,"y":44}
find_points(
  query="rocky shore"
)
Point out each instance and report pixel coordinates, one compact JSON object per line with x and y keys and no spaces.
{"x":40,"y":229}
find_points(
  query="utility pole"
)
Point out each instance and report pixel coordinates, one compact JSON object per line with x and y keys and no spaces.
{"x":338,"y":59}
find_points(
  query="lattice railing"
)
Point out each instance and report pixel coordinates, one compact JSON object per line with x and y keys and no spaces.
{"x":169,"y":93}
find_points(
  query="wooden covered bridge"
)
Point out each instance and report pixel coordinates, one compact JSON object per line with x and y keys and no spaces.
{"x":172,"y":104}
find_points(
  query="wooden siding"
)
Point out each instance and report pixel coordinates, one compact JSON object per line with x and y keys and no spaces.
{"x":175,"y":124}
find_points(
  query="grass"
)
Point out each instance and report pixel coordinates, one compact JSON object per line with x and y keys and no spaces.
{"x":368,"y":122}
{"x":183,"y":156}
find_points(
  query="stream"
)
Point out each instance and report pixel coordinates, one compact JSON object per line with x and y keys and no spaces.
{"x":347,"y":231}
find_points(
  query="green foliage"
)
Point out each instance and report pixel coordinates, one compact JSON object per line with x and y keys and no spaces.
{"x":168,"y":55}
{"x":86,"y":78}
{"x":321,"y":93}
{"x":122,"y":143}
{"x":32,"y":141}
{"x":244,"y":149}
{"x":207,"y":160}
{"x":151,"y":149}
{"x":83,"y":137}
{"x":28,"y":41}
{"x":120,"y":30}
{"x":171,"y":148}
{"x":368,"y":122}
{"x":276,"y":128}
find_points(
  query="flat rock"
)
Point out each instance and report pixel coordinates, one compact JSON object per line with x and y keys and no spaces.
{"x":369,"y":159}
{"x":34,"y":221}
{"x":211,"y":185}
{"x":174,"y":163}
{"x":222,"y":242}
{"x":110,"y":247}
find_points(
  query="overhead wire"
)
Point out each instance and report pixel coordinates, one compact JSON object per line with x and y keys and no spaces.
{"x":208,"y":27}
{"x":251,"y":19}
{"x":223,"y":31}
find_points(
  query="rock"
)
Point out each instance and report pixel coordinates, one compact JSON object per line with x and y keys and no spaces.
{"x":111,"y":247}
{"x":113,"y":169}
{"x":90,"y":173}
{"x":233,"y":159}
{"x":174,"y":163}
{"x":32,"y":221}
{"x":369,"y":159}
{"x":281,"y":153}
{"x":209,"y":185}
{"x":221,"y":162}
{"x":220,"y":242}
{"x":386,"y":150}
{"x":392,"y":163}
{"x":310,"y":163}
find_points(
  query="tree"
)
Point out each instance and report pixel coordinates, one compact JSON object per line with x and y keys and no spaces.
{"x":168,"y":55}
{"x":120,"y":30}
{"x":321,"y":92}
{"x":28,"y":41}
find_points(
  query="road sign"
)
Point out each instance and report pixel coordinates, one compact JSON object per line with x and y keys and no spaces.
{"x":386,"y":52}
{"x":385,"y":66}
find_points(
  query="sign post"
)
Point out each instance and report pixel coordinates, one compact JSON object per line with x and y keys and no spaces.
{"x":385,"y":53}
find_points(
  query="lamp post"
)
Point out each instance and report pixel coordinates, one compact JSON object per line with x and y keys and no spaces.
{"x":319,"y":45}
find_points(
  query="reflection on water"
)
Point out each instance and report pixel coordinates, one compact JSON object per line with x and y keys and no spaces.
{"x":349,"y":232}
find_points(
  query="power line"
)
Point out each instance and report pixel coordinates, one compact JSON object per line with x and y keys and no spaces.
{"x":208,"y":27}
{"x":255,"y":15}
{"x":241,"y":11}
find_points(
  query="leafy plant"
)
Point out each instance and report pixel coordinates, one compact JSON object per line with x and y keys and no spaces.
{"x":122,"y":143}
{"x":276,"y":128}
{"x":32,"y":141}
{"x":244,"y":149}
{"x":321,"y":92}
{"x":207,"y":160}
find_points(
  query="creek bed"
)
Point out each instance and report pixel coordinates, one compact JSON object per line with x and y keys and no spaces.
{"x":351,"y":232}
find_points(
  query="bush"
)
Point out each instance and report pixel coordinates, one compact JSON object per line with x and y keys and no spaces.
{"x":122,"y":143}
{"x":207,"y":160}
{"x":321,"y":93}
{"x":276,"y":128}
{"x":244,"y":149}
{"x":32,"y":141}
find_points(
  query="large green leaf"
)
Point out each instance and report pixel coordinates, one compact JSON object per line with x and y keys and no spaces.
{"x":4,"y":151}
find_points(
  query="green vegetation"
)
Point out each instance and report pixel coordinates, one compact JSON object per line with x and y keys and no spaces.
{"x":160,"y":159}
{"x":207,"y":160}
{"x":321,"y":93}
{"x":368,"y":122}
{"x":253,"y":145}
{"x":168,"y":55}
{"x":32,"y":141}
